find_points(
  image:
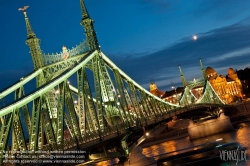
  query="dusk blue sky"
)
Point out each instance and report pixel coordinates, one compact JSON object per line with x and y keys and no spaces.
{"x":147,"y":39}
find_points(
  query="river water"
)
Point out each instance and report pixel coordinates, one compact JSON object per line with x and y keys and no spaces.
{"x":241,"y":135}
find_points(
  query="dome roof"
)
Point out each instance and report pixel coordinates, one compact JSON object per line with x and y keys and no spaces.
{"x":231,"y":71}
{"x":210,"y":71}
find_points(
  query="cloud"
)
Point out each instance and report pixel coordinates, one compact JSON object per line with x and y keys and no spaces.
{"x":236,"y":53}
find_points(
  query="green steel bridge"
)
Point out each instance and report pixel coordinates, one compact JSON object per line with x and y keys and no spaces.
{"x":38,"y":120}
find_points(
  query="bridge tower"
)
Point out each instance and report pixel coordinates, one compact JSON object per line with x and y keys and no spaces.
{"x":33,"y":42}
{"x":203,"y":70}
{"x":184,"y":82}
{"x":88,"y":25}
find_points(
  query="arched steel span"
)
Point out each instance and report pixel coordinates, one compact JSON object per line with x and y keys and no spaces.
{"x":82,"y":119}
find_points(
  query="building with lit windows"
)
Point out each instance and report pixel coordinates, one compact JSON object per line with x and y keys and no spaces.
{"x":228,"y":88}
{"x":155,"y":91}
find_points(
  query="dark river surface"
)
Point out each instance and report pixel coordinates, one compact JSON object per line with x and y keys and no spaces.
{"x":241,"y":135}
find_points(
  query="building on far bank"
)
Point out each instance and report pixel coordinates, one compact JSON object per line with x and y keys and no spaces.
{"x":173,"y":96}
{"x":155,"y":91}
{"x":228,"y":88}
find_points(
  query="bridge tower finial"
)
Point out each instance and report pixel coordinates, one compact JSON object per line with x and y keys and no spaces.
{"x":182,"y":77}
{"x":88,"y":25}
{"x":33,"y":42}
{"x":203,"y":70}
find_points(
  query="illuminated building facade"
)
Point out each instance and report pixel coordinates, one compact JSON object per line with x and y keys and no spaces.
{"x":173,"y":96}
{"x":228,"y":88}
{"x":155,"y":91}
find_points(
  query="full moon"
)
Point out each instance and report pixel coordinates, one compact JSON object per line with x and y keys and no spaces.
{"x":195,"y":37}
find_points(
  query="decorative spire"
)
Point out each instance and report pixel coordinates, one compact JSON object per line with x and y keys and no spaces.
{"x":30,"y":32}
{"x":85,"y":13}
{"x":33,"y":42}
{"x":88,"y":25}
{"x":203,"y":70}
{"x":182,"y":77}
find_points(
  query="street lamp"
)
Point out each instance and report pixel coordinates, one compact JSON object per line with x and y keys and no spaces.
{"x":173,"y":87}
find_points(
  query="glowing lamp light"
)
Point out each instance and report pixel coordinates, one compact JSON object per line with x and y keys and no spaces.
{"x":147,"y":134}
{"x":219,"y":139}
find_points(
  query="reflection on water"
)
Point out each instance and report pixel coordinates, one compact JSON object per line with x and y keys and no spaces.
{"x":240,"y":135}
{"x":105,"y":163}
{"x":243,"y":136}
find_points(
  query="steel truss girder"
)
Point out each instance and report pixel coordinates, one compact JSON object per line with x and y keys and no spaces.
{"x":91,"y":113}
{"x":150,"y":106}
{"x":81,"y":101}
{"x":53,"y":70}
{"x":187,"y":96}
{"x":43,"y":89}
{"x":107,"y":86}
{"x":122,"y":99}
{"x":72,"y":112}
{"x":155,"y":106}
{"x":18,"y":135}
{"x":25,"y":110}
{"x":19,"y":84}
{"x":198,"y":83}
{"x":4,"y":135}
{"x":135,"y":101}
{"x":100,"y":112}
{"x":144,"y":103}
{"x":69,"y":125}
{"x":60,"y":115}
{"x":209,"y":95}
{"x":47,"y":125}
{"x":111,"y":65}
{"x":35,"y":125}
{"x":109,"y":96}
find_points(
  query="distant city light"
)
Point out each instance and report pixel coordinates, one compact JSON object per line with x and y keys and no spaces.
{"x":195,"y":37}
{"x":219,"y":139}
